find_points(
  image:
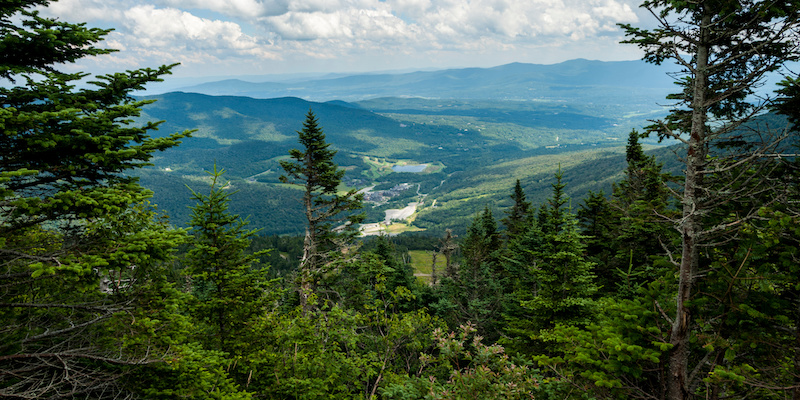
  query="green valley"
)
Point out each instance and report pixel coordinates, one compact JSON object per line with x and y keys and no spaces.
{"x":473,"y":149}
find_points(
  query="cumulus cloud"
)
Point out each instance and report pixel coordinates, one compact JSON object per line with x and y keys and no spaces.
{"x":220,"y":30}
{"x":84,"y":10}
{"x":346,"y":24}
{"x":233,"y":8}
{"x":448,"y":21}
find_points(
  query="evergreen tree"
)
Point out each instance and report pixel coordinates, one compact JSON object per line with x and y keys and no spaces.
{"x":80,"y":248}
{"x":475,"y":294}
{"x":565,"y":282}
{"x":482,"y":242}
{"x":518,"y":216}
{"x":519,"y":263}
{"x":231,"y":290}
{"x":561,"y":286}
{"x":551,"y":215}
{"x":599,"y":221}
{"x":399,"y":273}
{"x":732,"y":45}
{"x":313,"y":169}
{"x":630,"y":231}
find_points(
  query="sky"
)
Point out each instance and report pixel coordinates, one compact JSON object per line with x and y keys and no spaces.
{"x":261,"y":37}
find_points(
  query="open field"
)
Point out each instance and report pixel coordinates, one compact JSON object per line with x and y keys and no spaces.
{"x":422,"y":261}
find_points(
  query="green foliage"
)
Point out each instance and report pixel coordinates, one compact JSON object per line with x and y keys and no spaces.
{"x":314,"y":170}
{"x":230,"y":290}
{"x":518,"y":217}
{"x":727,"y":181}
{"x":463,"y":367}
{"x":337,"y":352}
{"x":475,"y":293}
{"x":565,"y":280}
{"x":397,"y":273}
{"x":80,"y":247}
{"x":619,"y":354}
{"x":629,"y":232}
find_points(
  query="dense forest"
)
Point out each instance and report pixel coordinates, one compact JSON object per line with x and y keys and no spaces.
{"x":670,"y":286}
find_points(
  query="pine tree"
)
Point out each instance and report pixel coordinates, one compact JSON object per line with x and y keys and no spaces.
{"x":630,"y":231}
{"x":475,"y":294}
{"x":230,"y":290}
{"x":482,"y":242}
{"x":551,"y":215}
{"x":559,"y":286}
{"x":518,"y":216}
{"x":399,"y":273}
{"x":80,"y":247}
{"x":565,"y":282}
{"x":325,"y":209}
{"x":732,"y":45}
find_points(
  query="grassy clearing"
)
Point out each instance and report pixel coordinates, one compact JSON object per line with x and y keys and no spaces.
{"x":399,"y":227}
{"x":421,"y":261}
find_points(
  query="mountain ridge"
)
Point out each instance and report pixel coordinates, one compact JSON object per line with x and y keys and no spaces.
{"x":515,"y":81}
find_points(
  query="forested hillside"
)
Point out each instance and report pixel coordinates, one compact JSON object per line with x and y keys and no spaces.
{"x":475,"y":149}
{"x":680,"y":281}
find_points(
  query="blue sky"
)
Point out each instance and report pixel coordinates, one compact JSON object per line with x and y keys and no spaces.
{"x":257,"y":37}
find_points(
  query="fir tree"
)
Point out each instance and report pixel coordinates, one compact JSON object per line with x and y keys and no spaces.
{"x":329,"y":217}
{"x":230,"y":290}
{"x":518,"y":217}
{"x":475,"y":294}
{"x":731,"y":47}
{"x":80,"y":248}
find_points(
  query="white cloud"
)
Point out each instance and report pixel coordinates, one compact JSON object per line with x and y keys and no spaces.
{"x":170,"y":29}
{"x":349,"y":24}
{"x":84,"y":10}
{"x":449,"y":21}
{"x":238,"y":33}
{"x":234,"y":8}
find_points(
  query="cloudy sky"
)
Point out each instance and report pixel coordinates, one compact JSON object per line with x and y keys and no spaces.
{"x":256,"y":37}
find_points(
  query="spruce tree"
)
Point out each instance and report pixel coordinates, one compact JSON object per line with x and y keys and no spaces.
{"x":230,"y":289}
{"x":731,"y":47}
{"x":551,"y":215}
{"x":80,"y":248}
{"x":330,"y":217}
{"x":475,"y":294}
{"x":565,"y":284}
{"x":520,"y":213}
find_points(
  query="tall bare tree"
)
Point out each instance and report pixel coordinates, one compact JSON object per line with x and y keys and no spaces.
{"x":725,"y":49}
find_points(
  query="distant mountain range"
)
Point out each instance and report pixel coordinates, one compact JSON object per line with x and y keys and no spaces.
{"x":574,"y":79}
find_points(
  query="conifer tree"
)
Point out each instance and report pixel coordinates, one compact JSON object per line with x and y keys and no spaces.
{"x":475,"y":294}
{"x":551,"y":214}
{"x":329,"y":215}
{"x":732,"y":45}
{"x":230,"y":290}
{"x":560,"y":286}
{"x":399,"y":273}
{"x":565,"y":284}
{"x":630,"y":232}
{"x":518,"y":216}
{"x":80,"y":248}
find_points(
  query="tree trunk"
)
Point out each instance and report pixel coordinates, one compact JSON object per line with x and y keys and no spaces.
{"x":306,"y":264}
{"x":690,"y":227}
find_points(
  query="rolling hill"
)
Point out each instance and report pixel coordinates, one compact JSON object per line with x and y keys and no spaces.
{"x":484,"y":131}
